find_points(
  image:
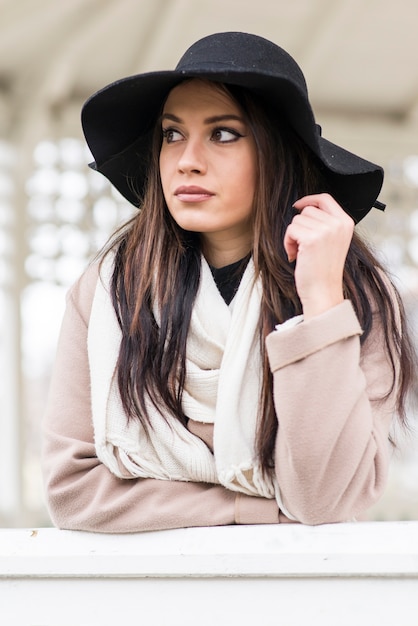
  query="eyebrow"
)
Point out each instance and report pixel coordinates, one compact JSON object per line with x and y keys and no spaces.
{"x":209,"y":120}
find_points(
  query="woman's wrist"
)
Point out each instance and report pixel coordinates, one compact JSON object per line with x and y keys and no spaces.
{"x":316,"y":306}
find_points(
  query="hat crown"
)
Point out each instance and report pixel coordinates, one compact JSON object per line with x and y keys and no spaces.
{"x":241,"y":52}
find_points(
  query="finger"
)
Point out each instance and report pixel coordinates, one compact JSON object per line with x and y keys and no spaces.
{"x":295,"y":233}
{"x":310,"y":216}
{"x":290,"y":245}
{"x":323,"y":201}
{"x":299,"y":229}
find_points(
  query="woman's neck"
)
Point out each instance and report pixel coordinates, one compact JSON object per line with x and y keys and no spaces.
{"x":219,"y":254}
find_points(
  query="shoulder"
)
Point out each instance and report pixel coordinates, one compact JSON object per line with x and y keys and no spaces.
{"x":81,"y":294}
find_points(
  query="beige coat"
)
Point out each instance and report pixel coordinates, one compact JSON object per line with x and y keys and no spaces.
{"x":332,"y":449}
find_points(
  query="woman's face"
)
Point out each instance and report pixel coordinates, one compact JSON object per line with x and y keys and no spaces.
{"x":208,"y":164}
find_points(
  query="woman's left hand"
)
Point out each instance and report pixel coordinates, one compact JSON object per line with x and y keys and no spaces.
{"x":318,"y":239}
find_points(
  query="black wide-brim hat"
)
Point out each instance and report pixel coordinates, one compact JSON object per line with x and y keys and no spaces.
{"x":118,"y":120}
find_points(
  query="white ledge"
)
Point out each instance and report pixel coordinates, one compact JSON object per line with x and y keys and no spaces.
{"x":358,"y":549}
{"x":345,"y":574}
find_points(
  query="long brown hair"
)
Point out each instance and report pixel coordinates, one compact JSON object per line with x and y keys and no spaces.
{"x":158,"y":264}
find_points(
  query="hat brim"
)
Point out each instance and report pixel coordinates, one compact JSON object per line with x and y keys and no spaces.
{"x":118,"y":122}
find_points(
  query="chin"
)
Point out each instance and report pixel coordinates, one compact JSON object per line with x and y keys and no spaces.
{"x":194,"y":226}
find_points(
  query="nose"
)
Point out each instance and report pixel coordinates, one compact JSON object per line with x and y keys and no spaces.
{"x":192,"y":158}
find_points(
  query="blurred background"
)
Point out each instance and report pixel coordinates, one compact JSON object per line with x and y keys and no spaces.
{"x":360,"y":60}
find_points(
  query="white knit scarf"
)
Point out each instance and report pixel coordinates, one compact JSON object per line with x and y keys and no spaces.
{"x":222,"y":387}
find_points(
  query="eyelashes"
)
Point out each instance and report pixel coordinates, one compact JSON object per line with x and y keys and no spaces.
{"x":218,"y":135}
{"x":226,"y":135}
{"x":169,"y":135}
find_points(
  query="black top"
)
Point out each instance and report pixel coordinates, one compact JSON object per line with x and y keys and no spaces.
{"x":228,"y":278}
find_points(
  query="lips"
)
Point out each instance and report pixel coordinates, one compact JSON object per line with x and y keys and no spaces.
{"x":192,"y":193}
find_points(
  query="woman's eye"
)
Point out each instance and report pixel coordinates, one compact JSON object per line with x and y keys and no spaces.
{"x":171,"y":135}
{"x":225,"y":135}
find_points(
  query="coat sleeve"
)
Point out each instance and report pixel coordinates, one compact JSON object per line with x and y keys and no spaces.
{"x":81,"y":493}
{"x":334,"y":404}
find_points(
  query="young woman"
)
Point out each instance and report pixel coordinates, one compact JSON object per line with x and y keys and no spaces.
{"x":237,"y":355}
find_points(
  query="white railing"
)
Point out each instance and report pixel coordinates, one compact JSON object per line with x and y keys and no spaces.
{"x":290,"y":575}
